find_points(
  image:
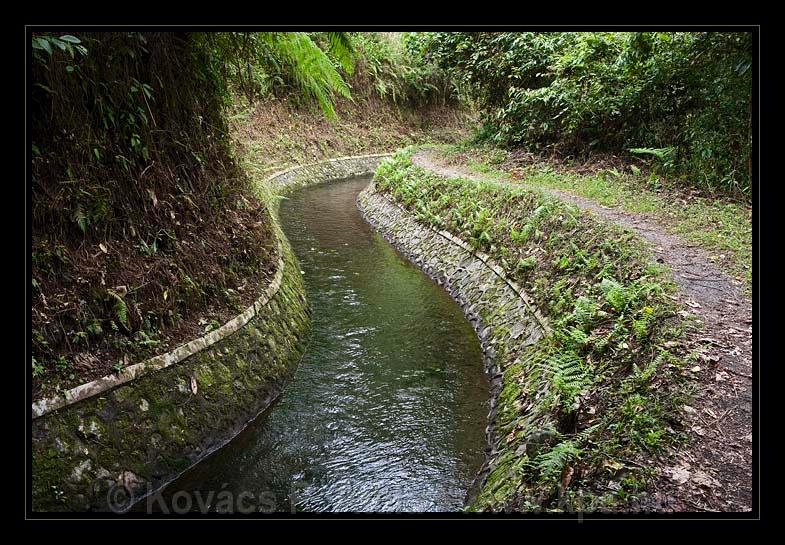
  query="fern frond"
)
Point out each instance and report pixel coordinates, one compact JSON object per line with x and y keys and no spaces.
{"x":120,"y":308}
{"x":615,"y":294}
{"x":551,"y":464}
{"x":80,"y":218}
{"x":342,"y":50}
{"x":577,"y":338}
{"x":585,"y":310}
{"x":568,"y":375}
{"x":310,"y":67}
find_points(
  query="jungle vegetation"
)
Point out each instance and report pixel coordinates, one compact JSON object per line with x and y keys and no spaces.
{"x":141,"y":210}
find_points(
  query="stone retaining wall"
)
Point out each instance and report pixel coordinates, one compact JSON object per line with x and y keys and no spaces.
{"x":331,"y":169}
{"x":497,"y":308}
{"x":129,"y":434}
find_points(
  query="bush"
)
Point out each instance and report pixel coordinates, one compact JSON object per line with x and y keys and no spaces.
{"x":612,"y":91}
{"x":393,"y":66}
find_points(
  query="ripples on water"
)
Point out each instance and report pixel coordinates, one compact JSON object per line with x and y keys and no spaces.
{"x":387,"y":409}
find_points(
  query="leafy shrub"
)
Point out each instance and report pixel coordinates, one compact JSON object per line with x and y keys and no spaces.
{"x":393,"y":66}
{"x":689,"y":92}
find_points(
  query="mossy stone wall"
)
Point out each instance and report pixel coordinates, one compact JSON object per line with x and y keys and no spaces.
{"x":131,"y":440}
{"x":143,"y":434}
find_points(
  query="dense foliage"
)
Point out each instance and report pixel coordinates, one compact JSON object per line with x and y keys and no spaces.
{"x":393,"y":66}
{"x":327,"y":65}
{"x":683,"y":98}
{"x":140,"y":215}
{"x":308,"y":65}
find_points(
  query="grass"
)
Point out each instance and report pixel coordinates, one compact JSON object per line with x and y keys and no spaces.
{"x":721,"y":227}
{"x":598,"y":397}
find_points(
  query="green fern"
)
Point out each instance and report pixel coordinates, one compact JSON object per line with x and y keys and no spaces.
{"x":120,"y":308}
{"x":551,"y":464}
{"x":309,"y":66}
{"x":662,"y":154}
{"x":81,"y":218}
{"x":584,"y":312}
{"x":568,"y":375}
{"x":576,"y":338}
{"x":615,"y":294}
{"x":342,"y":49}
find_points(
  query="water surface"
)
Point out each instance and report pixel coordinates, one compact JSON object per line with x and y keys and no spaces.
{"x":387,"y":409}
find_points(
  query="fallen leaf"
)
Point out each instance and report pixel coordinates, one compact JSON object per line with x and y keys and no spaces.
{"x":710,"y":358}
{"x":680,"y":474}
{"x":704,"y":479}
{"x":566,"y":477}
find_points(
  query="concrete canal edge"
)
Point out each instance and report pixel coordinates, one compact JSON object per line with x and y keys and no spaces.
{"x":111,"y":441}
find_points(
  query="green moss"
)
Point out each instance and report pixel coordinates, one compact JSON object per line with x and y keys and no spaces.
{"x":204,"y":376}
{"x":182,"y":421}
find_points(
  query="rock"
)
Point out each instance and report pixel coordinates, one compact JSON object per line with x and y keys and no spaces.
{"x":537,"y":440}
{"x":78,"y":472}
{"x":517,"y":330}
{"x":130,"y":480}
{"x":61,"y":446}
{"x":183,"y":386}
{"x":680,"y":474}
{"x":90,"y":428}
{"x":144,"y":406}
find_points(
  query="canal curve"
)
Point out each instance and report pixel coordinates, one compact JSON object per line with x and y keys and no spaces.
{"x":388,"y":407}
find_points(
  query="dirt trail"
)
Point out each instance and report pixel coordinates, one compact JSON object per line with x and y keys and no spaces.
{"x":714,"y":471}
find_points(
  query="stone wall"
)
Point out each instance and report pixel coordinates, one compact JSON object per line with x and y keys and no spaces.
{"x":331,"y":169}
{"x":497,"y":308}
{"x":145,"y":433}
{"x":127,"y":435}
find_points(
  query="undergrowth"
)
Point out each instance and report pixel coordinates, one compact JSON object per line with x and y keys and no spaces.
{"x":144,"y":228}
{"x":583,"y":412}
{"x":721,"y":225}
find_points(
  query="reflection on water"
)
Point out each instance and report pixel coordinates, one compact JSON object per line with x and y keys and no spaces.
{"x":387,"y":409}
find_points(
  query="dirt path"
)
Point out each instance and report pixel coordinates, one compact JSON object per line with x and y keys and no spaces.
{"x":714,"y":471}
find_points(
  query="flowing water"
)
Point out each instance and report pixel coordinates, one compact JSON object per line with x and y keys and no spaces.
{"x":388,"y":407}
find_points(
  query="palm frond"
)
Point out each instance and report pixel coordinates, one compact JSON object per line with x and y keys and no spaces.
{"x":310,"y":67}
